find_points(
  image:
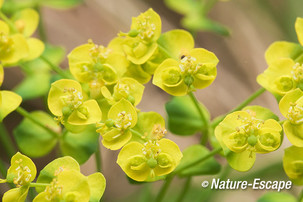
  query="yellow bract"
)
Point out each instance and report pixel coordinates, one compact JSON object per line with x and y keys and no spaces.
{"x":66,"y":100}
{"x":9,"y":101}
{"x":194,"y":70}
{"x":144,"y":162}
{"x":122,"y":116}
{"x":21,"y":172}
{"x":293,"y":164}
{"x":244,"y":133}
{"x":12,"y":47}
{"x":96,"y":65}
{"x":291,"y":106}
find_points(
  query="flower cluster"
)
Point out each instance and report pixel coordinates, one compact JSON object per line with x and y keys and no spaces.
{"x":283,"y":78}
{"x":60,"y":180}
{"x":244,"y":133}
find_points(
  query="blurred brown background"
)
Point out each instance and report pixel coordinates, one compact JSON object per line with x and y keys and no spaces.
{"x":254,"y":26}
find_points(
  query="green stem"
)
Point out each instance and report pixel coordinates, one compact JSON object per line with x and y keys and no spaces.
{"x":282,"y":121}
{"x":134,"y":132}
{"x":170,"y":177}
{"x":3,"y":169}
{"x":24,"y":113}
{"x":9,"y":22}
{"x":197,"y":161}
{"x":185,"y":189}
{"x":33,"y":184}
{"x":241,"y":106}
{"x":209,"y":5}
{"x":165,"y":51}
{"x":56,"y":68}
{"x":41,"y":28}
{"x":164,"y":188}
{"x":300,"y":196}
{"x":203,"y":118}
{"x":6,"y":142}
{"x":98,"y":159}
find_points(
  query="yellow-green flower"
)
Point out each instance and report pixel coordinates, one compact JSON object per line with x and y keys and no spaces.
{"x":284,"y":49}
{"x":126,"y":88}
{"x":139,"y":44}
{"x":26,"y":22}
{"x":67,"y":101}
{"x":291,"y":107}
{"x":96,"y":65}
{"x":21,"y":173}
{"x":293,"y":164}
{"x":13,"y":46}
{"x":153,"y":158}
{"x":285,"y":71}
{"x":193,"y":70}
{"x":66,"y":183}
{"x":242,"y":134}
{"x":115,"y":131}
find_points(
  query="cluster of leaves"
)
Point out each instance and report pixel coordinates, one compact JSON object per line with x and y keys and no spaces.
{"x":60,"y":180}
{"x":283,"y":78}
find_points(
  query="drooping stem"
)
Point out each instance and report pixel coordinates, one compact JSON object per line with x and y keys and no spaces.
{"x":242,"y":105}
{"x":6,"y":142}
{"x":56,"y":68}
{"x":203,"y":118}
{"x":164,"y":188}
{"x":98,"y":159}
{"x":185,"y":189}
{"x":24,"y":113}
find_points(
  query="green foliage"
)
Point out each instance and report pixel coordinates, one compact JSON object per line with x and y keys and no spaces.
{"x":192,"y":154}
{"x":183,"y":117}
{"x":277,"y":197}
{"x":195,"y":16}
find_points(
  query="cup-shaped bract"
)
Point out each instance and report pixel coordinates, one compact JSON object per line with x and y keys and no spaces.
{"x":115,"y":132}
{"x":144,"y":162}
{"x":21,"y":173}
{"x":291,"y":107}
{"x":13,"y":47}
{"x":244,"y":133}
{"x":293,"y":164}
{"x":9,"y":101}
{"x":96,"y":65}
{"x":66,"y":100}
{"x":151,"y":156}
{"x":194,"y":70}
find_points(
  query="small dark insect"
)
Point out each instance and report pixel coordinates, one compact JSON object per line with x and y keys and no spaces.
{"x":182,"y":56}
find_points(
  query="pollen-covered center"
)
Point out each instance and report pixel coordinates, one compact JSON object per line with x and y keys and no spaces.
{"x":151,"y":148}
{"x":123,"y":121}
{"x":72,"y":98}
{"x":97,"y":70}
{"x":297,"y":72}
{"x":295,"y":113}
{"x":54,"y":190}
{"x":144,"y":26}
{"x":247,"y":134}
{"x":23,"y":174}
